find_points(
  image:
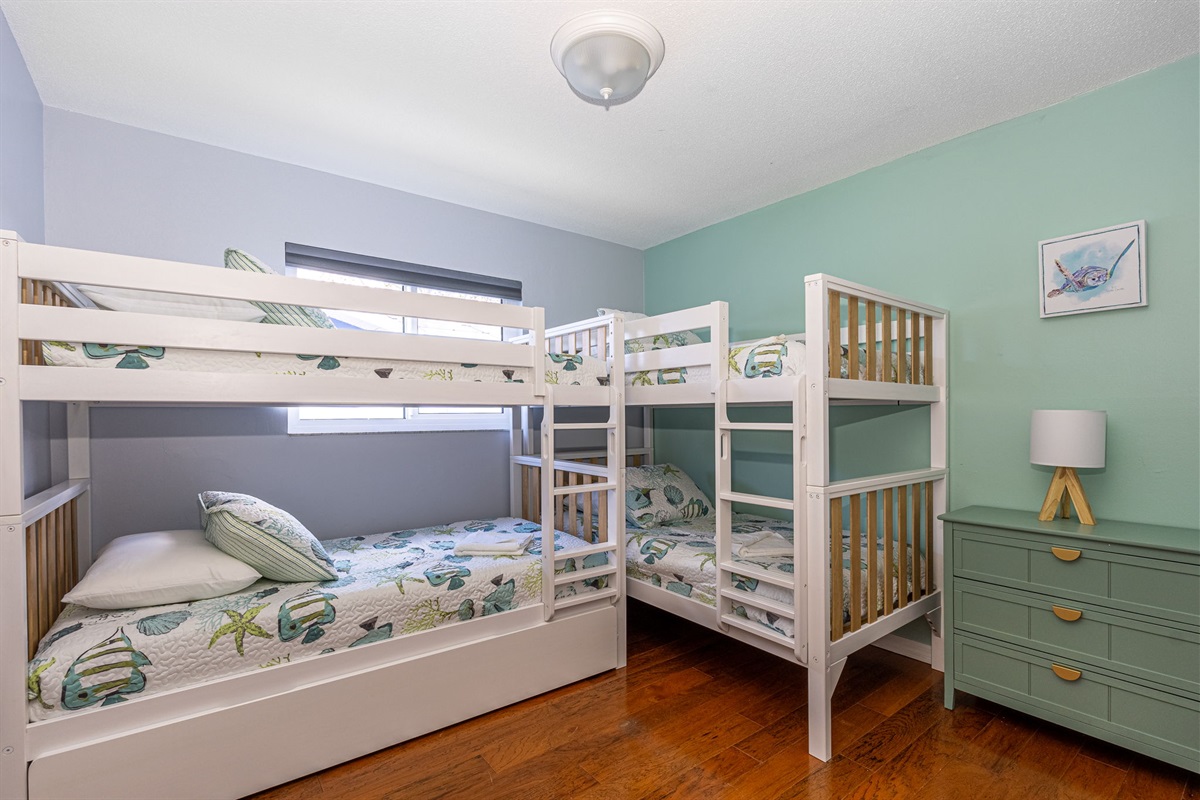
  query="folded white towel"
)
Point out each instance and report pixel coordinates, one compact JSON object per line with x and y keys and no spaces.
{"x":761,"y":544}
{"x":493,"y":543}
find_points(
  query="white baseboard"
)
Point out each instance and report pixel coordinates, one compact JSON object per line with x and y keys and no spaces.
{"x":906,"y":647}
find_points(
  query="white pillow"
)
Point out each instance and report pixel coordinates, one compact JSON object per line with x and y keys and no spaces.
{"x":604,"y":312}
{"x":159,"y":568}
{"x":175,"y":305}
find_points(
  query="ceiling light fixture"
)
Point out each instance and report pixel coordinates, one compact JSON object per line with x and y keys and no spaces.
{"x":607,"y":56}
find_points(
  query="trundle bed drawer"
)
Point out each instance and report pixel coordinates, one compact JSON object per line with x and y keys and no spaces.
{"x":1079,"y":697}
{"x":1109,"y":577}
{"x":1122,"y":644}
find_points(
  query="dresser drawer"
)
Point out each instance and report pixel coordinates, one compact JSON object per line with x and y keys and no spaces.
{"x":1143,"y":650}
{"x":1096,"y":702}
{"x":1169,"y":589}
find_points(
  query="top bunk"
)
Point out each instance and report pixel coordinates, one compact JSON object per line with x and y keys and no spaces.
{"x":864,"y":345}
{"x":56,"y":348}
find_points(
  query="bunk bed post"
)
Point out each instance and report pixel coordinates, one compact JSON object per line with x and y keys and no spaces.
{"x":546,"y":535}
{"x":79,"y":468}
{"x":723,"y":468}
{"x":816,"y":373}
{"x":517,"y":444}
{"x":939,"y":458}
{"x":822,"y":676}
{"x":616,"y":475}
{"x":13,"y":633}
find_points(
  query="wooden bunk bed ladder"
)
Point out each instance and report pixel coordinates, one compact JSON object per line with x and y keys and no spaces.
{"x":51,"y":566}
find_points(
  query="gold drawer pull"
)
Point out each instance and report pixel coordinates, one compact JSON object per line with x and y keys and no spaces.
{"x":1066,"y":673}
{"x":1066,"y":614}
{"x":1065,"y":554}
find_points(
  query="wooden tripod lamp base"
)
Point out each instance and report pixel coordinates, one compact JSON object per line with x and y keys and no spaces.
{"x":1066,"y":489}
{"x":1067,"y":440}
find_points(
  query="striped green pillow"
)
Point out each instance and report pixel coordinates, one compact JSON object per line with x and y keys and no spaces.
{"x":276,"y":314}
{"x":265,"y":537}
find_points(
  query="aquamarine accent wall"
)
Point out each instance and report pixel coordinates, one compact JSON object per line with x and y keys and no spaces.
{"x":957,"y":225}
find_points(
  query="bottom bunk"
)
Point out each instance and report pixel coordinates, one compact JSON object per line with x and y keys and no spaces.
{"x":387,"y":585}
{"x":226,"y":696}
{"x":681,"y":558}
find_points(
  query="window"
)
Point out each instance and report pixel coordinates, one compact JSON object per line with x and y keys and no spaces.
{"x":335,"y":267}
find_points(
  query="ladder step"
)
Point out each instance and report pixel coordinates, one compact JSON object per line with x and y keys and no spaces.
{"x":750,"y":571}
{"x":582,"y":488}
{"x":756,"y":426}
{"x":750,"y":626}
{"x":583,"y":426}
{"x":584,"y":574}
{"x":757,"y":500}
{"x":586,"y":597}
{"x":761,"y":603}
{"x":581,"y":552}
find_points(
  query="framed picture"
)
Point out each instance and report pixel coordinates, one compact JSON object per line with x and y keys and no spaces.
{"x":1095,"y":271}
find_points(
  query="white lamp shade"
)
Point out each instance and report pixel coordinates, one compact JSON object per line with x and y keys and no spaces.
{"x":1067,"y":438}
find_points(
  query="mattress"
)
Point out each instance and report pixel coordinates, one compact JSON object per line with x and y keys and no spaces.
{"x":388,"y":585}
{"x":575,"y":370}
{"x":682,"y":558}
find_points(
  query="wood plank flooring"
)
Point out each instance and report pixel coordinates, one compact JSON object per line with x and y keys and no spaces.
{"x":698,"y":715}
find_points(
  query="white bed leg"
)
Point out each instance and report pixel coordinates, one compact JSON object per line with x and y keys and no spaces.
{"x":821,"y":683}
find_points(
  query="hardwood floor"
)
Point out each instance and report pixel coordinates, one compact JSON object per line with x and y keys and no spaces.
{"x":697,"y":715}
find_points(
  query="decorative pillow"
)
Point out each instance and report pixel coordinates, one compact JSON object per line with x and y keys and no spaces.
{"x":276,"y":314}
{"x":766,"y":358}
{"x":265,"y":537}
{"x":176,"y":305}
{"x":157,"y":569}
{"x":658,"y":494}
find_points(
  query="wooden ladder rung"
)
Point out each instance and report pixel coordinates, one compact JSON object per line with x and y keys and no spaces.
{"x":751,"y":571}
{"x":761,"y":603}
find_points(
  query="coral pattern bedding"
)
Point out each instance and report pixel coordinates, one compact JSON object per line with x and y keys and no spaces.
{"x":573,"y":370}
{"x":681,"y":557}
{"x":388,"y":585}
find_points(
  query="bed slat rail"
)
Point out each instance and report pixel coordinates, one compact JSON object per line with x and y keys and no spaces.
{"x":875,"y":337}
{"x":34,"y":292}
{"x":51,"y":567}
{"x":883,"y":538}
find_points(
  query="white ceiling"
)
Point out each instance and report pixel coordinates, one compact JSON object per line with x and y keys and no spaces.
{"x":755,"y":101}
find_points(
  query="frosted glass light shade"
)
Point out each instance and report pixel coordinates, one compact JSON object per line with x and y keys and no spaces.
{"x":607,"y":56}
{"x":1067,"y":438}
{"x":608,"y":67}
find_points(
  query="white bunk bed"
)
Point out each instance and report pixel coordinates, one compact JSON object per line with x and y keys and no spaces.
{"x":862,"y":346}
{"x":201,"y":735}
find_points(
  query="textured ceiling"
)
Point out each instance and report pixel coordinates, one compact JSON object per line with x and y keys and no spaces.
{"x":754,"y":102}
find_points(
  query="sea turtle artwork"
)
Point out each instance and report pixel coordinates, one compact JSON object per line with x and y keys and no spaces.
{"x":1085,"y":279}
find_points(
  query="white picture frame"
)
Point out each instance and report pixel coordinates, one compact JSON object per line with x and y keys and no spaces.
{"x":1100,"y":270}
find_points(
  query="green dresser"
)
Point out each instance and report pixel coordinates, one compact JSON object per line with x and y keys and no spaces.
{"x":1093,"y":627}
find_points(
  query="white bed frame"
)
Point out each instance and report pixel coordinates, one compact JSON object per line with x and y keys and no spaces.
{"x":198,"y":736}
{"x":838,"y":313}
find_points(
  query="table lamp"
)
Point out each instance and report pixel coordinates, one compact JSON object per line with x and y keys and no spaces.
{"x":1067,"y":440}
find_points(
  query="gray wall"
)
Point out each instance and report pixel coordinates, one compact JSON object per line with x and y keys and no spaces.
{"x":21,"y":210}
{"x":120,"y":189}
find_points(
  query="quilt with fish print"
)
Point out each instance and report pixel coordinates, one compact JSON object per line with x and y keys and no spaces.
{"x":681,"y":557}
{"x":766,"y":358}
{"x":388,"y":585}
{"x":576,"y":370}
